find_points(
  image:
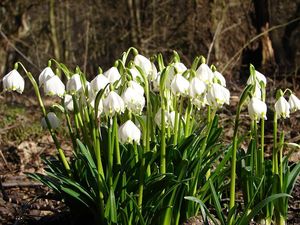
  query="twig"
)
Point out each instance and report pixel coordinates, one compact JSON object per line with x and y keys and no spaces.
{"x":257,"y":37}
{"x":21,"y":184}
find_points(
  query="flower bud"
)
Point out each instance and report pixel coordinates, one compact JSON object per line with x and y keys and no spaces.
{"x":112,"y":74}
{"x":54,"y":86}
{"x":294,"y":103}
{"x":259,"y":77}
{"x":53,"y":120}
{"x":13,"y":81}
{"x":257,"y":109}
{"x":74,"y":84}
{"x":113,"y":104}
{"x":45,"y":75}
{"x":129,"y":133}
{"x":282,"y":108}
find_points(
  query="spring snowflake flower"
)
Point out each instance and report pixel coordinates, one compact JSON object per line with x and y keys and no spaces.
{"x":74,"y":84}
{"x":220,"y":78}
{"x":45,"y":75}
{"x":217,"y":95}
{"x":259,"y":77}
{"x":129,"y":133}
{"x":134,"y":101}
{"x":112,"y":74}
{"x":282,"y":108}
{"x":136,"y":86}
{"x":13,"y":81}
{"x":113,"y":104}
{"x":53,"y":120}
{"x":197,"y":87}
{"x":205,"y":74}
{"x":144,"y":63}
{"x":257,"y":109}
{"x":54,"y":86}
{"x":68,"y":102}
{"x":294,"y":103}
{"x":99,"y":82}
{"x":180,"y":85}
{"x":169,"y":118}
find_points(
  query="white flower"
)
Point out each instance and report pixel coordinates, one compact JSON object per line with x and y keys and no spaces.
{"x":220,"y":78}
{"x":100,"y":106}
{"x":144,"y":63}
{"x":45,"y":75}
{"x":74,"y":84}
{"x":176,"y":68}
{"x":153,"y":73}
{"x":200,"y":102}
{"x":197,"y":87}
{"x":217,"y":95}
{"x":156,"y":82}
{"x":257,"y":91}
{"x":68,"y":102}
{"x":169,"y":118}
{"x":257,"y":109}
{"x":113,"y":104}
{"x":13,"y":81}
{"x":180,"y":85}
{"x":129,"y":133}
{"x":282,"y":108}
{"x":204,"y":73}
{"x":54,"y":86}
{"x":112,"y":74}
{"x":294,"y":103}
{"x":99,"y":82}
{"x":133,"y":100}
{"x":53,"y":120}
{"x":136,"y":86}
{"x":135,"y":73}
{"x":259,"y":77}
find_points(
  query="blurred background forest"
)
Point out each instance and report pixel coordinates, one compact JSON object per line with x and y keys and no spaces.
{"x":89,"y":33}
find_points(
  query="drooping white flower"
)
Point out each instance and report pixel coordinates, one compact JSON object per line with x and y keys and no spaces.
{"x":169,"y":118}
{"x":100,"y":106}
{"x":112,"y":74}
{"x":136,"y":86}
{"x":53,"y":120}
{"x":180,"y":85}
{"x":220,"y":78}
{"x":129,"y":133}
{"x":99,"y":82}
{"x":257,"y":109}
{"x":204,"y":73}
{"x":74,"y":84}
{"x":13,"y":81}
{"x":200,"y":102}
{"x":156,"y":82}
{"x":294,"y":103}
{"x":282,"y":108}
{"x":68,"y":102}
{"x":134,"y":101}
{"x":54,"y":86}
{"x":259,"y":78}
{"x":144,"y":63}
{"x":153,"y":73}
{"x":113,"y":104}
{"x":176,"y":68}
{"x":257,"y":91}
{"x":135,"y":74}
{"x":217,"y":95}
{"x":46,"y":74}
{"x":197,"y":87}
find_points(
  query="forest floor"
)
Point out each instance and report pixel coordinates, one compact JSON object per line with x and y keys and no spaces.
{"x":23,"y":143}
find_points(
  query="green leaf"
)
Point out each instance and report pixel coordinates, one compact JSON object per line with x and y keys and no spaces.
{"x":217,"y":203}
{"x":111,"y":209}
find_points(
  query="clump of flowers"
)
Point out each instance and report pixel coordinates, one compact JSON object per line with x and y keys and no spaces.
{"x":145,"y":137}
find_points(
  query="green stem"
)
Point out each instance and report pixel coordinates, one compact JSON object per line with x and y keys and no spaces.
{"x":281,"y":143}
{"x":188,"y":120}
{"x":60,"y":151}
{"x":116,"y":136}
{"x":274,"y":155}
{"x":176,"y":123}
{"x":110,"y":153}
{"x":163,"y":142}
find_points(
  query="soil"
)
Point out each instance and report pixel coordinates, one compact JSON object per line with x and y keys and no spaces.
{"x":24,"y":201}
